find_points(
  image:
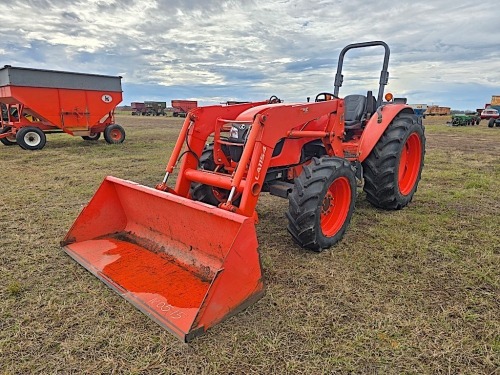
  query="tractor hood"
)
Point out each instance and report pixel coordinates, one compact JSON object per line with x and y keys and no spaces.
{"x":250,"y":113}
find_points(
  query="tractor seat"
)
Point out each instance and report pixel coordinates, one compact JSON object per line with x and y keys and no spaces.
{"x":355,"y":108}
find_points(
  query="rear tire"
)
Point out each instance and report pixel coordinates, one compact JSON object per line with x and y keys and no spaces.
{"x":31,"y":138}
{"x":114,"y":134}
{"x":206,"y":193}
{"x":322,"y":203}
{"x":92,"y":137}
{"x":393,"y":168}
{"x":8,"y":141}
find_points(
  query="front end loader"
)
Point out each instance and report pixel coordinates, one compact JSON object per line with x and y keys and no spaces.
{"x":186,"y":254}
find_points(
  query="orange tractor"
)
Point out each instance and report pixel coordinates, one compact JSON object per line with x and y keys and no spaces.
{"x":187,"y":255}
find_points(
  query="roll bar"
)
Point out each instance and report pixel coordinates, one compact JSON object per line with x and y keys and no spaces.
{"x":384,"y":74}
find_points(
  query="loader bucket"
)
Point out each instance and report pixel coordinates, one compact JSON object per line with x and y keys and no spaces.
{"x":185,"y":264}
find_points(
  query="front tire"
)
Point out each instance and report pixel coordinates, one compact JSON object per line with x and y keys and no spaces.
{"x":491,"y":122}
{"x":206,"y":193}
{"x":393,"y":168}
{"x":31,"y":138}
{"x":322,"y":203}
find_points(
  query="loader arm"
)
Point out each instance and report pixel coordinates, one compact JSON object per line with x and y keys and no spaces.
{"x":204,"y":119}
{"x":268,"y":124}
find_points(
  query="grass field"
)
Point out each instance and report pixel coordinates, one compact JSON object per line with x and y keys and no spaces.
{"x":411,"y":291}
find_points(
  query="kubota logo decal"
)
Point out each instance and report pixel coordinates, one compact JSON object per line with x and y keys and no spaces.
{"x":260,"y":164}
{"x":107,"y":98}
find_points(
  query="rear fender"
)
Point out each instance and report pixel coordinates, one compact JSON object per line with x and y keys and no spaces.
{"x":374,"y":129}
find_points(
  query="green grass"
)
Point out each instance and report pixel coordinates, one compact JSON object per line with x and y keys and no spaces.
{"x":411,"y":291}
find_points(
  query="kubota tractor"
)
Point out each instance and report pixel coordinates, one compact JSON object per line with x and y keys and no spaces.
{"x":187,"y":255}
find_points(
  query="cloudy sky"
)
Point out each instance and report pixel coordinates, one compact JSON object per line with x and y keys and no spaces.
{"x":444,"y":52}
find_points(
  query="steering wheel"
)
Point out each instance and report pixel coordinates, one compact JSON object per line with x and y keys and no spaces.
{"x":324,"y":96}
{"x":274,"y":99}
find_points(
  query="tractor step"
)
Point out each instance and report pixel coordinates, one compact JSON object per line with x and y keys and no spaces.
{"x":280,"y":189}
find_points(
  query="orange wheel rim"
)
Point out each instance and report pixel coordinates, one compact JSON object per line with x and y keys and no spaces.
{"x":116,"y":134}
{"x":335,"y":206}
{"x":220,"y":195}
{"x":409,"y":164}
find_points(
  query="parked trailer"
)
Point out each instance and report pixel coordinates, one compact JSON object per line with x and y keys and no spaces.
{"x":182,"y":107}
{"x":435,"y":110}
{"x":495,"y":100}
{"x":38,"y":102}
{"x":138,"y":109}
{"x":444,"y":111}
{"x":155,"y":108}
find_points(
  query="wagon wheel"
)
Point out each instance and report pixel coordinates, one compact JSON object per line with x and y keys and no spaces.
{"x":31,"y":138}
{"x":114,"y":134}
{"x":10,"y":140}
{"x":92,"y":137}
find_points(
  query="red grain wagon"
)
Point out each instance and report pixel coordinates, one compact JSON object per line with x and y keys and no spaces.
{"x":36,"y":102}
{"x":182,"y":107}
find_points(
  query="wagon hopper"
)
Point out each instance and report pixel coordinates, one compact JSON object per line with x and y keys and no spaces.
{"x":37,"y":102}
